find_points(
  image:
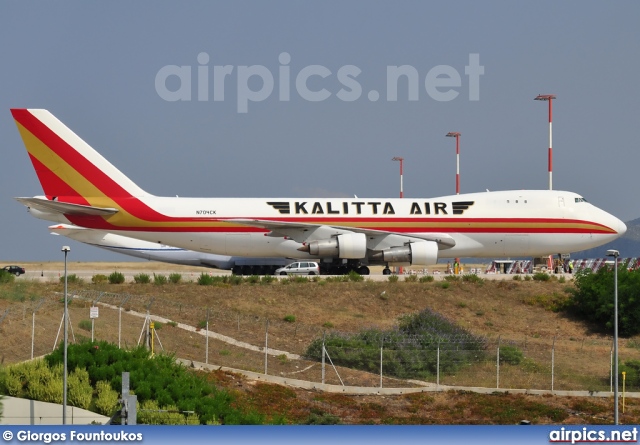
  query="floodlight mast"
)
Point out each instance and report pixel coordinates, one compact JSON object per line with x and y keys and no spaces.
{"x":397,"y":158}
{"x":65,"y":317}
{"x":455,"y":134}
{"x":549,"y":98}
{"x":615,"y":254}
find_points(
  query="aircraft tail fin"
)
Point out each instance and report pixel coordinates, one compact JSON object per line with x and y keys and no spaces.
{"x":68,"y":168}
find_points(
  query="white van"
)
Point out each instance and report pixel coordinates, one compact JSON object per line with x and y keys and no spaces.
{"x":299,"y":268}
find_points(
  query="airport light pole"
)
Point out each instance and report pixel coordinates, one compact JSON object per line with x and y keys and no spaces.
{"x":615,"y":254}
{"x":549,"y":98}
{"x":455,"y":134}
{"x":66,"y":250}
{"x":397,"y":158}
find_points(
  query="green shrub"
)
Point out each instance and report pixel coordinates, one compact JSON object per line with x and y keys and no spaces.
{"x":10,"y":383}
{"x":116,"y":278}
{"x":71,"y":279}
{"x":445,"y":285}
{"x":451,"y":278}
{"x":99,"y":279}
{"x":472,"y":278}
{"x":409,"y":351}
{"x":517,"y":278}
{"x":267,"y":279}
{"x":6,"y":277}
{"x":411,"y":278}
{"x":85,"y":324}
{"x":79,"y":390}
{"x":253,"y":279}
{"x":541,"y":276}
{"x":159,"y":379}
{"x":159,"y":279}
{"x":142,"y":278}
{"x":234,"y":279}
{"x":354,"y":276}
{"x":327,"y":324}
{"x":323,"y":419}
{"x":511,"y":355}
{"x":527,"y":278}
{"x":393,"y":278}
{"x":289,"y":318}
{"x":106,"y":398}
{"x":298,"y":279}
{"x":426,"y":279}
{"x":337,"y":279}
{"x":632,"y":370}
{"x":593,"y":296}
{"x":205,"y":279}
{"x":175,"y":278}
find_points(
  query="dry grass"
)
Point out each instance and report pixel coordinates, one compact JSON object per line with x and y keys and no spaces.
{"x":514,"y":312}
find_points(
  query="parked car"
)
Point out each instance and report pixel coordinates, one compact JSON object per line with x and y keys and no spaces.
{"x":299,"y":268}
{"x":14,"y":270}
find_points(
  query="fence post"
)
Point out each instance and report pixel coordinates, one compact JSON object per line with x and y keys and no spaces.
{"x":33,"y":326}
{"x":33,"y":331}
{"x":206,"y":340}
{"x":93,"y":320}
{"x":498,"y":365}
{"x":324,"y":333}
{"x":381,"y":346}
{"x":126,"y":298}
{"x":438,"y":368}
{"x":553,"y":361}
{"x":266,"y":343}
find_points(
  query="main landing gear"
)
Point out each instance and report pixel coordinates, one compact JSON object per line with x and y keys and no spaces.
{"x":343,"y":269}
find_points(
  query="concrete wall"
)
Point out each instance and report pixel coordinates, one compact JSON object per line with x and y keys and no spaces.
{"x":29,"y":412}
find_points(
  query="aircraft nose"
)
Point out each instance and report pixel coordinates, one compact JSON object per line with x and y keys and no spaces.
{"x":621,"y":228}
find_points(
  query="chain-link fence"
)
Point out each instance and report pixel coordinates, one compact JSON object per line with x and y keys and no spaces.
{"x":282,"y":348}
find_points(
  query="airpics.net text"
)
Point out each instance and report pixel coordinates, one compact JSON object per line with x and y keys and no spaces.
{"x":256,"y":83}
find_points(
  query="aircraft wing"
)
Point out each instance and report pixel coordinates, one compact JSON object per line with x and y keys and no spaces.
{"x":47,"y":205}
{"x":303,"y":232}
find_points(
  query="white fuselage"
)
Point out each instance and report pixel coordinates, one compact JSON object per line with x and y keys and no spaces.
{"x":495,"y":224}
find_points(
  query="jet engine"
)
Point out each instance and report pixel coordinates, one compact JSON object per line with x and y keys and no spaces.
{"x":48,"y":216}
{"x":348,"y":245}
{"x":422,"y":253}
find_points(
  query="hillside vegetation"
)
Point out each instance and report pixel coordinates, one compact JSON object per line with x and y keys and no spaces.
{"x":524,"y":313}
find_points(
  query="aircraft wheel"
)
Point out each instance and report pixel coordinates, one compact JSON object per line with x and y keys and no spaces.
{"x":386,"y":271}
{"x":363,"y":270}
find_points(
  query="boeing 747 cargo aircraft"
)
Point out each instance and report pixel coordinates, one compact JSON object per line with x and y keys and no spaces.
{"x":82,"y":188}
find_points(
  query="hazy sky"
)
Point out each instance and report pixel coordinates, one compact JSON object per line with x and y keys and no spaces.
{"x":117,"y":73}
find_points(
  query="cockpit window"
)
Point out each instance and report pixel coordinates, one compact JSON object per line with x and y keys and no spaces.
{"x":581,"y":200}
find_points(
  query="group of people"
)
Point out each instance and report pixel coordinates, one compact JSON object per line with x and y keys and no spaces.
{"x":457,"y":267}
{"x":563,"y":266}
